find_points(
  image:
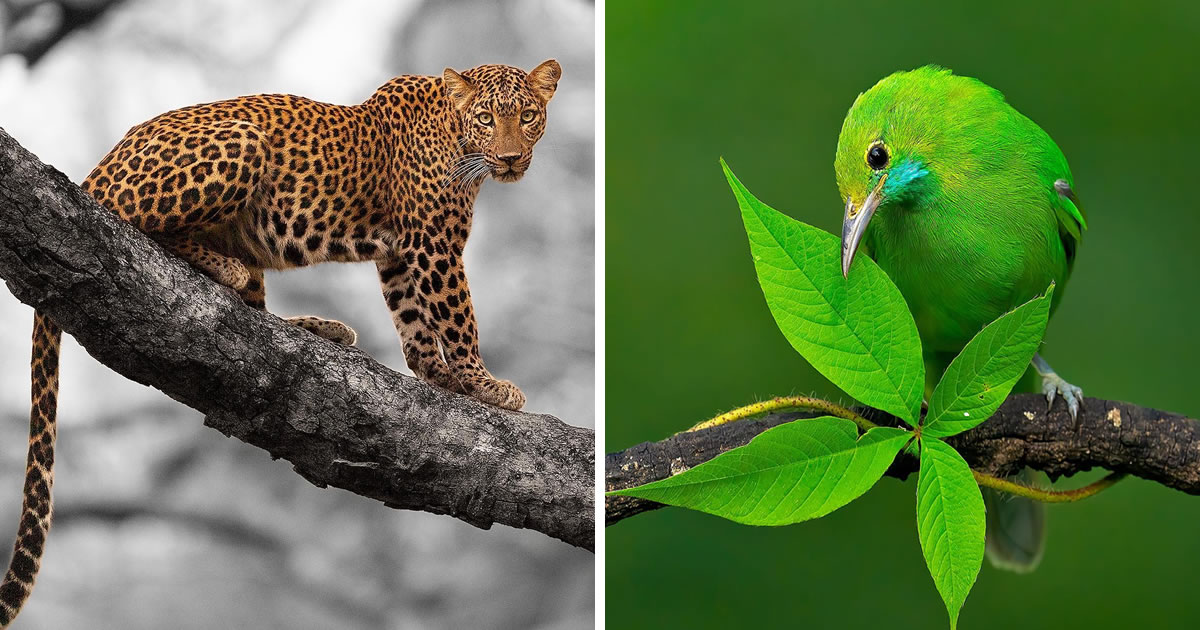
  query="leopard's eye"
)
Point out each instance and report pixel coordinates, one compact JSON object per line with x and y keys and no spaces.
{"x":528,"y":115}
{"x":484,"y":118}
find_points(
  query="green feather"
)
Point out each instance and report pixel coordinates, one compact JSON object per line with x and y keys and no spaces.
{"x":984,"y":229}
{"x":971,"y":226}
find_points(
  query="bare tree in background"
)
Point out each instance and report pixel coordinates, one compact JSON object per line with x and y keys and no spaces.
{"x":30,"y":28}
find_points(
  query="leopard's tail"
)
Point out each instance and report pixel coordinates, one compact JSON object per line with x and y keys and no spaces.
{"x":39,"y":471}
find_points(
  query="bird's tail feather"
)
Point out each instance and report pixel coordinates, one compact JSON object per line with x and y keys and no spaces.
{"x":1016,"y":528}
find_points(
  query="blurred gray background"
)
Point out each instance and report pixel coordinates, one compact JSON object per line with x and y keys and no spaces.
{"x":162,"y":523}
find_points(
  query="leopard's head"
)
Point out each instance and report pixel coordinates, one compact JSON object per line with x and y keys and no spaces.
{"x":503,"y":113}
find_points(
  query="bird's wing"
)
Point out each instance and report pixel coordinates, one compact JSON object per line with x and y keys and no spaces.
{"x":1071,"y":219}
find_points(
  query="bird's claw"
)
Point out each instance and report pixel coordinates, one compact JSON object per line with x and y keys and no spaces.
{"x":1053,"y":385}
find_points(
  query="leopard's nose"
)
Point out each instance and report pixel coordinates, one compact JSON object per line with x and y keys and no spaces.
{"x":509,"y":158}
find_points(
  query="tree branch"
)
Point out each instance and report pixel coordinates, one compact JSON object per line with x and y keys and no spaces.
{"x":340,"y":417}
{"x":1140,"y":441}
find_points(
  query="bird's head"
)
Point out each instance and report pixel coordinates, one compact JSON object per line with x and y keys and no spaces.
{"x":892,"y":144}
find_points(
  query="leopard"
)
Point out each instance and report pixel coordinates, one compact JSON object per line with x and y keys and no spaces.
{"x":277,"y":181}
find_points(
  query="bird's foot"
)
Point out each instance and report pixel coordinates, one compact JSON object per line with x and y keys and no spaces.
{"x":1054,"y":385}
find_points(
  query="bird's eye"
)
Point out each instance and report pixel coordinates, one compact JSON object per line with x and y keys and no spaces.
{"x":484,"y":118}
{"x":528,"y":115}
{"x":877,"y":156}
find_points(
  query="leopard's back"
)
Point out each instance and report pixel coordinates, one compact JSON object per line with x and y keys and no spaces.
{"x":275,"y":180}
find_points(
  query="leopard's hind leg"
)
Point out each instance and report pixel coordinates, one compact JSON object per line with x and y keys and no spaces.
{"x":180,"y":183}
{"x":226,"y":270}
{"x":188,"y":187}
{"x":254,"y":294}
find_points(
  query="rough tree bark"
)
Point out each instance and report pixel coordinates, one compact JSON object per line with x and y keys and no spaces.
{"x":340,"y":417}
{"x":1117,"y":436}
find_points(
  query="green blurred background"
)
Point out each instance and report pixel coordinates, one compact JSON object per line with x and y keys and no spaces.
{"x":689,"y":335}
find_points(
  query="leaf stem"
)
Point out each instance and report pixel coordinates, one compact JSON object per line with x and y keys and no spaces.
{"x":786,"y":403}
{"x":808,"y":403}
{"x":1047,"y":496}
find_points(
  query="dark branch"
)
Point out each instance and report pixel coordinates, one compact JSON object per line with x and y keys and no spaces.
{"x":340,"y":417}
{"x":1117,"y":436}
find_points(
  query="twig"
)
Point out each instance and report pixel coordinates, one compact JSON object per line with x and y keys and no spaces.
{"x":1120,"y":437}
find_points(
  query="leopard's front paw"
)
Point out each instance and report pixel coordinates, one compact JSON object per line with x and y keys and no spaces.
{"x":493,"y":392}
{"x":435,"y":372}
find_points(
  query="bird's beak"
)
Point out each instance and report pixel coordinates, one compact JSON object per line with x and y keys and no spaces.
{"x":855,"y":223}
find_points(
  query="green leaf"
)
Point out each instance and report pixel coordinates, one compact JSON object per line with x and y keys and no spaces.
{"x":858,"y":332}
{"x":982,"y":375}
{"x":950,"y":522}
{"x":794,"y":472}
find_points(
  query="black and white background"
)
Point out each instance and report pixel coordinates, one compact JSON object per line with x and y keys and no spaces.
{"x":163,"y":523}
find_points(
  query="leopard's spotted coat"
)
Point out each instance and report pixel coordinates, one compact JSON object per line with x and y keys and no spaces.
{"x":278,"y":181}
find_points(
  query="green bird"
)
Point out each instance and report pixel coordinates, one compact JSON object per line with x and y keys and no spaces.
{"x":969,"y":207}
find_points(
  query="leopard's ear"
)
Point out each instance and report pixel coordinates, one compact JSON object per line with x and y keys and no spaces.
{"x":459,"y":89}
{"x":544,"y":79}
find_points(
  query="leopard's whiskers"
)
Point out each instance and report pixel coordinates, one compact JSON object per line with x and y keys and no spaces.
{"x":469,"y":174}
{"x":467,"y":158}
{"x":478,"y":172}
{"x":463,"y":165}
